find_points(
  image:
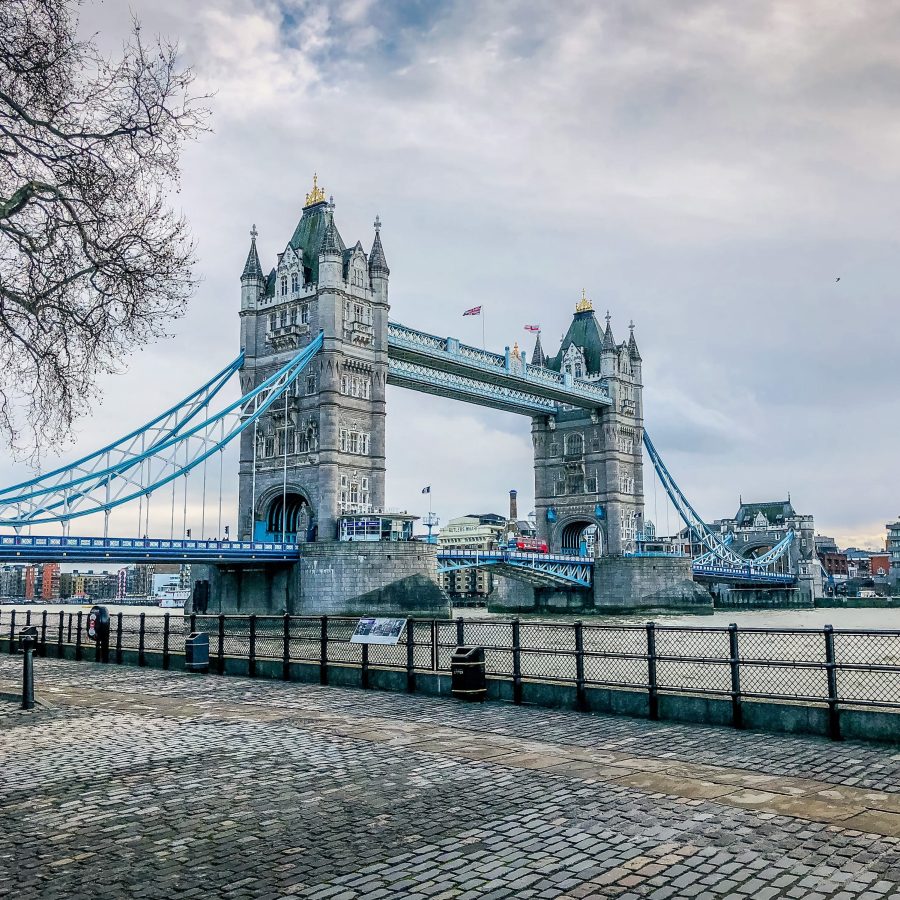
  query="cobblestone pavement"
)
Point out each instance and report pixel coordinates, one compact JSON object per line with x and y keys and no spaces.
{"x":145,"y":784}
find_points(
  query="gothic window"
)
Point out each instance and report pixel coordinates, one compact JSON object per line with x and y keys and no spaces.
{"x":272,"y":322}
{"x":354,"y":493}
{"x":568,"y":369}
{"x":284,"y":440}
{"x":559,"y":489}
{"x":629,"y":526}
{"x":295,"y":282}
{"x":293,"y":315}
{"x":282,"y":319}
{"x":575,"y":484}
{"x":574,"y":444}
{"x":269,"y":445}
{"x":310,"y":383}
{"x":591,"y":485}
{"x":283,"y":285}
{"x":352,"y":441}
{"x":554,"y":449}
{"x":578,"y":370}
{"x":356,"y":386}
{"x":626,"y":483}
{"x":304,"y":314}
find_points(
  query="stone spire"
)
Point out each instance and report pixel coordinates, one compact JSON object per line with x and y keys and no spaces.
{"x":252,"y":268}
{"x":538,"y":358}
{"x":633,"y":351}
{"x":377,"y":261}
{"x":331,"y":242}
{"x":609,"y":342}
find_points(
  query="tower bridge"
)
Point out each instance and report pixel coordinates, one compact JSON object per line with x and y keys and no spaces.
{"x":317,"y":352}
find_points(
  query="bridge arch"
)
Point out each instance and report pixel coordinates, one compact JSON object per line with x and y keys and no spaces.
{"x":287,"y":513}
{"x":575,"y":532}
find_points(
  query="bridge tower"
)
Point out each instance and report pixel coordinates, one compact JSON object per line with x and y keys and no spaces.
{"x":321,"y":452}
{"x":589,"y":487}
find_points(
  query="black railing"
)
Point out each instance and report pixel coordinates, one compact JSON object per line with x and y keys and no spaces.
{"x":828,"y":667}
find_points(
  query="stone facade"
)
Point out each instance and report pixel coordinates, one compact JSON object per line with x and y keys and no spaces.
{"x":322,"y":452}
{"x":633,"y":583}
{"x":334,"y":578}
{"x":588,"y":469}
{"x":364,"y":578}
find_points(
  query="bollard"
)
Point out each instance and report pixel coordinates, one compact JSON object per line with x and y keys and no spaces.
{"x":28,"y":638}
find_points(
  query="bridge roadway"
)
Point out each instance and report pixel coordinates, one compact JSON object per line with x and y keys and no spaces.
{"x":448,"y":368}
{"x":539,"y":569}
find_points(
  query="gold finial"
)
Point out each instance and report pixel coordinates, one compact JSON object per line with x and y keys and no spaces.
{"x":584,"y":305}
{"x":316,"y":195}
{"x":516,"y":349}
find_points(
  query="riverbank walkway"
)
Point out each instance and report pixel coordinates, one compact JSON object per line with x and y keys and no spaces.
{"x":148,"y":784}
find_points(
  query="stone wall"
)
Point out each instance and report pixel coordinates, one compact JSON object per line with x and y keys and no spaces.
{"x":631,"y":583}
{"x":333,"y":578}
{"x":367,"y":578}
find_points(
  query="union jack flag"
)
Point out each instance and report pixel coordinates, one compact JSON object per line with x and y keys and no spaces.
{"x":474,"y":311}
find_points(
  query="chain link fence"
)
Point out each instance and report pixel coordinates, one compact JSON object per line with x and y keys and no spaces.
{"x":820,"y":666}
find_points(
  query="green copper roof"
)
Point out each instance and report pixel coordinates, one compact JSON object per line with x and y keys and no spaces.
{"x":584,"y":332}
{"x":309,"y":235}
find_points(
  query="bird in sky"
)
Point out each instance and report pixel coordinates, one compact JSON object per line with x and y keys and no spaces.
{"x":838,"y":278}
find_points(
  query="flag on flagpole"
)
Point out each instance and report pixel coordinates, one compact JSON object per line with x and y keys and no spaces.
{"x":533,"y":328}
{"x":474,"y":311}
{"x":426,"y":490}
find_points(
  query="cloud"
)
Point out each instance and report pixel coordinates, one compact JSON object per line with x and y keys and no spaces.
{"x":706,"y":169}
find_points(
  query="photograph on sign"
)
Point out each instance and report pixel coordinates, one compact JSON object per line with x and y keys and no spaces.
{"x":378,"y":631}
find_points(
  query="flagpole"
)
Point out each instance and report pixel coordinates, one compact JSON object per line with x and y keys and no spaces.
{"x":483,"y":341}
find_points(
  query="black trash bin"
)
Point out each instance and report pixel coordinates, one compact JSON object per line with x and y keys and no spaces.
{"x":468,"y":681}
{"x":196,"y":652}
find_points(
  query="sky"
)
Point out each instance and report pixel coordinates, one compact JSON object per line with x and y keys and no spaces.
{"x":705,"y":169}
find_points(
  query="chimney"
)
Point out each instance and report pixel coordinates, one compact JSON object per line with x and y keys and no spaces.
{"x":513,"y":507}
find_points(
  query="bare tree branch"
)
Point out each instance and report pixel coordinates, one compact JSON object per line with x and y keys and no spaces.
{"x":93,"y":261}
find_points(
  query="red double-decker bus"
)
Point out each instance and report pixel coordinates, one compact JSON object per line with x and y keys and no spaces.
{"x":528,"y":545}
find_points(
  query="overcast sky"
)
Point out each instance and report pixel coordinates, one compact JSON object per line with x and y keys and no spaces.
{"x":707,"y":169}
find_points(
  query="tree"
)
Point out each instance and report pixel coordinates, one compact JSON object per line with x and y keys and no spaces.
{"x":93,"y":261}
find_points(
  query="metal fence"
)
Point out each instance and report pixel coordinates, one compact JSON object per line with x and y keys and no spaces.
{"x":826,"y":667}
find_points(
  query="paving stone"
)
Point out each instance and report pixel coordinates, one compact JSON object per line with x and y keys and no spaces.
{"x":221,"y":787}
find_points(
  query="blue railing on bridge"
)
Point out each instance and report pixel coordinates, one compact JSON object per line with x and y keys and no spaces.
{"x":747,"y":574}
{"x":59,"y":548}
{"x":544,"y":568}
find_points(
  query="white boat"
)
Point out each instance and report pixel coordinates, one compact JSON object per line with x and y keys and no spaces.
{"x":172,"y":597}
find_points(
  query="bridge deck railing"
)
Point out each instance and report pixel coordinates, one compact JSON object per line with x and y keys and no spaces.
{"x":826,"y":667}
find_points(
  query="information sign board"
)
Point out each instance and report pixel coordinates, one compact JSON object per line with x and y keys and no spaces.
{"x":378,"y":631}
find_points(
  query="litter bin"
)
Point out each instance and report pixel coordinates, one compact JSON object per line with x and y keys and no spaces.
{"x":467,"y":674}
{"x":196,"y":652}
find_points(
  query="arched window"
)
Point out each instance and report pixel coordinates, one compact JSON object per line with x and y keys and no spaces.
{"x":574,"y":444}
{"x":295,"y":282}
{"x":283,"y":285}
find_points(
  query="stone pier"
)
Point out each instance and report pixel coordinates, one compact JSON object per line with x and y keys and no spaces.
{"x":622,"y":584}
{"x":333,"y":578}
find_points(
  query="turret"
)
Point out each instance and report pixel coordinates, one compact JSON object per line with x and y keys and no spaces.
{"x":378,"y":267}
{"x":538,"y":358}
{"x":252,"y":279}
{"x":608,"y":350}
{"x":634,"y":355}
{"x":330,"y":254}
